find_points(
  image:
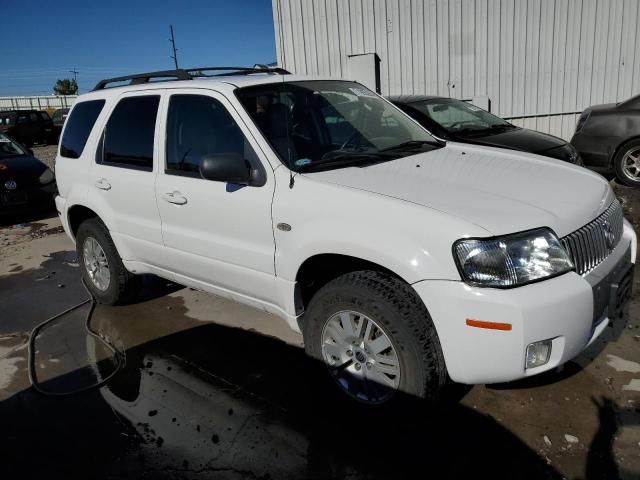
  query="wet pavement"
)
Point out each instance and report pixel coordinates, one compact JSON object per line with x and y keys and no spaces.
{"x":206,"y":388}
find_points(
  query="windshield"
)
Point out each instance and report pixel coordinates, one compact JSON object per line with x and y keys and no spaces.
{"x":9,"y":148}
{"x":332,"y":124}
{"x":457,"y":116}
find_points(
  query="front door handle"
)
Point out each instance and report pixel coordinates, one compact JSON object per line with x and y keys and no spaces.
{"x":102,"y":184}
{"x":175,"y":198}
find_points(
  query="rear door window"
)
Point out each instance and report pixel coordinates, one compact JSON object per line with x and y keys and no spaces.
{"x":129,"y":134}
{"x":79,"y":126}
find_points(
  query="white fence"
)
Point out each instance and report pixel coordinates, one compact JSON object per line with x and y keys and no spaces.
{"x":42,"y":102}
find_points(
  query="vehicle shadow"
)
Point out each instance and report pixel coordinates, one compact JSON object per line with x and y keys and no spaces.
{"x":214,"y":400}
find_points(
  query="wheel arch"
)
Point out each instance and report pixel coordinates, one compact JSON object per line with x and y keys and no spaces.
{"x":619,"y":147}
{"x":76,"y":214}
{"x":319,"y":269}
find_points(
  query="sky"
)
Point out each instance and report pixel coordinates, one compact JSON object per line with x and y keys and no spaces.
{"x":100,"y":39}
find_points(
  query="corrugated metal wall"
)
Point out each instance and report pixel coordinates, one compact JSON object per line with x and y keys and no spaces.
{"x":530,"y":57}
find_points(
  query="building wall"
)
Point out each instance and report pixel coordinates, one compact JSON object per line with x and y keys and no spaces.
{"x":542,"y":59}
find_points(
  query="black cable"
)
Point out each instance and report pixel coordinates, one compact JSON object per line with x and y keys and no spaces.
{"x":31,"y":350}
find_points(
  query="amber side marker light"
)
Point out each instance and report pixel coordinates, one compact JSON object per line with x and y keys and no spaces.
{"x":490,"y":325}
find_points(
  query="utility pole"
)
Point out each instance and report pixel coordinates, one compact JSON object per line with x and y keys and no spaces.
{"x":173,"y":44}
{"x":75,"y":77}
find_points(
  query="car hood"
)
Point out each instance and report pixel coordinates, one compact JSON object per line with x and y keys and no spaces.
{"x":521,"y":139}
{"x":498,"y":190}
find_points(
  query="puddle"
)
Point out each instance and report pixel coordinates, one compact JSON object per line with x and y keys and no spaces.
{"x":67,"y":358}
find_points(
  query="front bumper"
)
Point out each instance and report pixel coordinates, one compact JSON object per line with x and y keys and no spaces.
{"x":36,"y":196}
{"x":561,"y":309}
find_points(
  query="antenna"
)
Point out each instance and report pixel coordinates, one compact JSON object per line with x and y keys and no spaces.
{"x":173,"y":45}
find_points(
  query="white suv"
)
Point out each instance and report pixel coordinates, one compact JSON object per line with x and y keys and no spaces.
{"x":403,"y":260}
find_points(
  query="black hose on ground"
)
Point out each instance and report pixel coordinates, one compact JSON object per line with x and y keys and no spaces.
{"x":32,"y":352}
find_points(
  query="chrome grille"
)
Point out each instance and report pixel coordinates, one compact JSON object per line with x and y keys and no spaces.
{"x":591,"y":244}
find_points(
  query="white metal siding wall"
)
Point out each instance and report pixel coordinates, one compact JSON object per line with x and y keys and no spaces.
{"x":530,"y":57}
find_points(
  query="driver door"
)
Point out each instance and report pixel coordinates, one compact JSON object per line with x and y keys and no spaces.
{"x":218,"y":236}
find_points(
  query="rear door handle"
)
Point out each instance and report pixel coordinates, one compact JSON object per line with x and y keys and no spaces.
{"x":102,"y":184}
{"x":175,"y":198}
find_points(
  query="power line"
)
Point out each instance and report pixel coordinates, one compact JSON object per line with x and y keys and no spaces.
{"x":173,"y":44}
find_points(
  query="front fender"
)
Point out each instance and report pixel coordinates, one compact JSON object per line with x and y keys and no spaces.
{"x":410,"y":240}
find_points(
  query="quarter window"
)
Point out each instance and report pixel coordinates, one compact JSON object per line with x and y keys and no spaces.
{"x":199,"y":126}
{"x":128,"y":136}
{"x":79,"y":126}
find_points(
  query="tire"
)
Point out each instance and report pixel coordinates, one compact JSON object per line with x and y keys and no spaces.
{"x":121,"y":283}
{"x":627,"y":174}
{"x":396,"y":309}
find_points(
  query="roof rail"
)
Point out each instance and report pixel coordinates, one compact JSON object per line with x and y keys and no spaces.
{"x":189,"y":74}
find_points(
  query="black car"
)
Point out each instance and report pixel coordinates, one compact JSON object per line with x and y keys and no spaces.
{"x":58,"y":117}
{"x":608,"y":139}
{"x":27,"y":126}
{"x":458,"y":121}
{"x":24,"y":180}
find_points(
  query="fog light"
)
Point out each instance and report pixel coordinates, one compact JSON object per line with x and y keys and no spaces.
{"x":538,"y":353}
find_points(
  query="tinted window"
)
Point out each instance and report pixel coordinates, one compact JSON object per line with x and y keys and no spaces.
{"x":128,"y":136}
{"x":45,"y":116}
{"x":7,"y":119}
{"x":22,"y":119}
{"x":198,"y":126}
{"x":79,"y":127}
{"x":33,"y":117}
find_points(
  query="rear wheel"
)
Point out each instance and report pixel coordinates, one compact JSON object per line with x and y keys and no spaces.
{"x":102,"y":268}
{"x":626,"y":164}
{"x":376,"y":339}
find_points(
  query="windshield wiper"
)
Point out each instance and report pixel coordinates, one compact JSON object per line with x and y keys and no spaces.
{"x":502,"y":126}
{"x":412,"y":144}
{"x":346,"y":160}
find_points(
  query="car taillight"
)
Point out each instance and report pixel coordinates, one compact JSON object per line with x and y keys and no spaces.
{"x":582,"y":120}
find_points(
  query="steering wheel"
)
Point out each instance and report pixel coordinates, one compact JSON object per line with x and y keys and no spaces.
{"x":455,"y":124}
{"x":350,"y":139}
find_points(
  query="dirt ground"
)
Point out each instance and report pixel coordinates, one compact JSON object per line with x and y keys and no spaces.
{"x":205,"y":388}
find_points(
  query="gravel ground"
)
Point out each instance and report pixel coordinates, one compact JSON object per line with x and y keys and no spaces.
{"x":47,"y":154}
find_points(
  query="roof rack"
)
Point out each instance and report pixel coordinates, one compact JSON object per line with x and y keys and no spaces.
{"x":188,"y":74}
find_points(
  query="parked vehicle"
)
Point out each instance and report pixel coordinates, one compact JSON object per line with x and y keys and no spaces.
{"x":404,"y":260}
{"x":608,"y":139}
{"x":58,"y":118}
{"x":459,"y":121}
{"x":27,"y":126}
{"x":25,"y":182}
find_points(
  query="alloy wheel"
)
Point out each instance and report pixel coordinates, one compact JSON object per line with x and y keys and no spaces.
{"x":96,"y":264}
{"x":631,"y":164}
{"x":361,"y":358}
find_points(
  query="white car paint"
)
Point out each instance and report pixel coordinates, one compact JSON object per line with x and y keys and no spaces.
{"x":403,"y":215}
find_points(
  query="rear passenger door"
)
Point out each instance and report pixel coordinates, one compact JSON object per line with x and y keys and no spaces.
{"x":122,"y":178}
{"x":216,"y":233}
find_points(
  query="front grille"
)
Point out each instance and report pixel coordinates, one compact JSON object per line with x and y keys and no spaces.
{"x":591,"y":244}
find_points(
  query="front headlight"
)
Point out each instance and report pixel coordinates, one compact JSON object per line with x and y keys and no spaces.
{"x":46,"y":177}
{"x":511,"y":260}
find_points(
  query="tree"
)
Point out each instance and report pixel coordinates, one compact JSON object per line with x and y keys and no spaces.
{"x":65,"y":86}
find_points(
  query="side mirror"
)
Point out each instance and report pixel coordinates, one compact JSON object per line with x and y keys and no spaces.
{"x":229,"y":167}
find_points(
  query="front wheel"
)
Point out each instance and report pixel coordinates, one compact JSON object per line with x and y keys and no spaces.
{"x":376,"y":338}
{"x":626,"y":164}
{"x":102,"y":270}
